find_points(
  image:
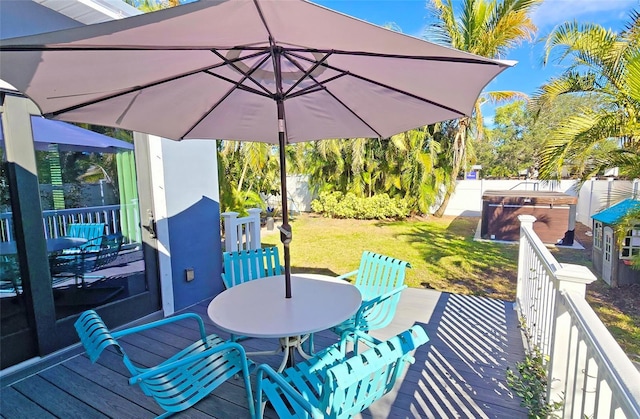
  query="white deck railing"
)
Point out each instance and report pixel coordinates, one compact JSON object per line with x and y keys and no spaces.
{"x":242,"y":233}
{"x":587,"y":369}
{"x":55,"y":222}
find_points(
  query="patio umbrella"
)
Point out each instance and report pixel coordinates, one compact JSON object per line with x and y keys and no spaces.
{"x":274,"y":71}
{"x":70,"y":137}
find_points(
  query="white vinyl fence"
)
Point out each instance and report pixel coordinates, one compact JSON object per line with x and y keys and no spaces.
{"x":594,"y":196}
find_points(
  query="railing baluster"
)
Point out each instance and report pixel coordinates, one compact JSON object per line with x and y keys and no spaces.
{"x":55,"y":222}
{"x":587,"y":369}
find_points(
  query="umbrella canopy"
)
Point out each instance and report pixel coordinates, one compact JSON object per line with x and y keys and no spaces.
{"x":246,"y":70}
{"x":70,"y":137}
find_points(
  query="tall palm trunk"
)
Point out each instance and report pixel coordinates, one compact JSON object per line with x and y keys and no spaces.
{"x":245,"y":166}
{"x":458,"y":158}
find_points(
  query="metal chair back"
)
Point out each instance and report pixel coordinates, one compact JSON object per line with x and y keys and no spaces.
{"x":247,"y":265}
{"x":89,"y":231}
{"x":331,"y":386}
{"x":380,"y":280}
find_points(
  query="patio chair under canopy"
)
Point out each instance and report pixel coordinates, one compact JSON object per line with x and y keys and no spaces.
{"x":246,"y":70}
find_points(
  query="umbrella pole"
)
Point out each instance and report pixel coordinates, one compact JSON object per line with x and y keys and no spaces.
{"x":285,"y":229}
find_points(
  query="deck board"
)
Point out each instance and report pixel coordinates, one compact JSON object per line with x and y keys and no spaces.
{"x":117,"y":382}
{"x":15,"y":405}
{"x":95,"y":395}
{"x":460,"y":372}
{"x":55,"y":400}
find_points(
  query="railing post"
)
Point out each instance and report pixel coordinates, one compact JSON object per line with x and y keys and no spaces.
{"x":574,"y":279}
{"x":254,"y":228}
{"x":526,"y":221}
{"x":230,"y":233}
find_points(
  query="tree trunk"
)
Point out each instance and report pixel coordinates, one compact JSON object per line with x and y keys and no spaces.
{"x":445,"y":201}
{"x":244,"y":172}
{"x":459,"y":155}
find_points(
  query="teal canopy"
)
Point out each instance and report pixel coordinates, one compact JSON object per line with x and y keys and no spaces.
{"x":614,"y":213}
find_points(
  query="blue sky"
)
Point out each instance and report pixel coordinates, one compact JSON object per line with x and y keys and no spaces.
{"x":412,"y":16}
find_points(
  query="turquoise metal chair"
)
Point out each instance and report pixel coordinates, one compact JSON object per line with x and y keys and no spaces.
{"x":180,"y":381}
{"x":380,"y":280}
{"x":247,"y":265}
{"x":82,"y":259}
{"x":331,"y":386}
{"x":89,"y":231}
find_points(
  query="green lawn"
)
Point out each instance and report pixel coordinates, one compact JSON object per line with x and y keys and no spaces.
{"x":443,"y":256}
{"x":442,"y":252}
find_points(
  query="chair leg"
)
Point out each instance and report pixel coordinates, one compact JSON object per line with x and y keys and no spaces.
{"x":310,"y":347}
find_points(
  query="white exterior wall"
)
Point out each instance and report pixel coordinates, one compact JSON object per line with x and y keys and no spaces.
{"x":186,"y":207}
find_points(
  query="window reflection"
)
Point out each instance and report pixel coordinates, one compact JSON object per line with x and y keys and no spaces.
{"x":13,"y":317}
{"x":89,"y":198}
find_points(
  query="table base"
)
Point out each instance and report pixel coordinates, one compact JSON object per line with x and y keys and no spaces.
{"x":288,"y":346}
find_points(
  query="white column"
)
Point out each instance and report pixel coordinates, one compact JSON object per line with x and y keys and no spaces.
{"x":160,"y":212}
{"x":254,"y":228}
{"x":230,"y":232}
{"x":526,"y":221}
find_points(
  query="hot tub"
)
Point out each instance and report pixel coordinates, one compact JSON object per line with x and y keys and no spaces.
{"x":555,"y":214}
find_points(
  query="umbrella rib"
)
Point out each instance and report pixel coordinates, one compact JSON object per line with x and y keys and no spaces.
{"x":241,"y":87}
{"x":379,"y":135}
{"x":463,"y":60}
{"x":264,"y":21}
{"x":148,"y":85}
{"x":245,"y":73}
{"x":318,"y":85}
{"x":411,"y":95}
{"x":306,"y":73}
{"x":311,"y":89}
{"x":236,"y":86}
{"x":383,"y":85}
{"x":78,"y":47}
{"x":322,"y":86}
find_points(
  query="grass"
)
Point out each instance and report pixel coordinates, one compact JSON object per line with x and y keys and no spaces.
{"x":617,"y":308}
{"x":442,"y":252}
{"x":620,"y":312}
{"x":443,"y":256}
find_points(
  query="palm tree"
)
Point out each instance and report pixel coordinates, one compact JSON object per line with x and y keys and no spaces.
{"x":403,"y":166}
{"x":484,"y":27}
{"x":246,"y":169}
{"x":605,"y":66}
{"x":153,"y":5}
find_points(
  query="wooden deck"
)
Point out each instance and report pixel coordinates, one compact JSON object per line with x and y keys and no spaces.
{"x":459,"y":373}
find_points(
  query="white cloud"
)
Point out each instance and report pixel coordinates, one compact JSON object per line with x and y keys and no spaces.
{"x":553,"y":12}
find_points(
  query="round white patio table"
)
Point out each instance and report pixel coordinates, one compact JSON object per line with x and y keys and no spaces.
{"x":259,"y":309}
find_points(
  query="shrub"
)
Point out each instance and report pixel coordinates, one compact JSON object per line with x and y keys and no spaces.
{"x":337,"y":205}
{"x":530,"y":381}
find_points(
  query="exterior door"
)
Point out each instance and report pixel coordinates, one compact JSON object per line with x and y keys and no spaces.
{"x":74,"y":235}
{"x":607,"y":254}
